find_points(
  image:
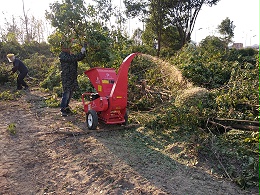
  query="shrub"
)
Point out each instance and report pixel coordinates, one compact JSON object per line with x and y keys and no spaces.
{"x":237,"y":99}
{"x":53,"y":78}
{"x":203,"y":68}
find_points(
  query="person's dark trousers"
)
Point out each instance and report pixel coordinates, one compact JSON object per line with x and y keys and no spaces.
{"x":65,"y":100}
{"x":20,"y":80}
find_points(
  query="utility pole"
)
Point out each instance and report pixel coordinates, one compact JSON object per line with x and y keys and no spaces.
{"x":196,"y":34}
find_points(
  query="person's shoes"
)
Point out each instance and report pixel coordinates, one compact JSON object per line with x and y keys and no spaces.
{"x":64,"y":114}
{"x":26,"y":87}
{"x":68,"y":110}
{"x":19,"y":88}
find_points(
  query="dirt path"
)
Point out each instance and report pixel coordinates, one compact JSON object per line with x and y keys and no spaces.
{"x":109,"y":162}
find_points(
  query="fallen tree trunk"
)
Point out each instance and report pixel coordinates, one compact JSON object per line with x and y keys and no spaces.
{"x":229,"y":124}
{"x":246,"y":127}
{"x":227,"y":128}
{"x":231,"y":121}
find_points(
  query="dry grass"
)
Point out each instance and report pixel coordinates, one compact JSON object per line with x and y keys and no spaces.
{"x":171,"y":73}
{"x":192,"y":97}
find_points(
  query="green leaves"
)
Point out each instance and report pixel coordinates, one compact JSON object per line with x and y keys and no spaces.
{"x":226,"y":28}
{"x":68,"y":16}
{"x":242,"y":89}
{"x":204,"y":65}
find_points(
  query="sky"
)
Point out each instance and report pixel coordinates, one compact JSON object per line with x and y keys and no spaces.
{"x":244,"y":14}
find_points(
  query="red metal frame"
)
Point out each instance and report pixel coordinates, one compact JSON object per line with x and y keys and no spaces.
{"x":112,"y":90}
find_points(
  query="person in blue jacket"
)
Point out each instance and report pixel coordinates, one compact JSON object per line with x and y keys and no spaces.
{"x":69,"y":66}
{"x":19,"y":66}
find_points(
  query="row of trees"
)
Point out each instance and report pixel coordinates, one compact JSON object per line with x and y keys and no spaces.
{"x":169,"y":25}
{"x":24,"y":29}
{"x":177,"y":17}
{"x":23,"y":36}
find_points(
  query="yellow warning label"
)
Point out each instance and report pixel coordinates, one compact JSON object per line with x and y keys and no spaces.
{"x":99,"y":88}
{"x":118,"y":97}
{"x":105,"y":81}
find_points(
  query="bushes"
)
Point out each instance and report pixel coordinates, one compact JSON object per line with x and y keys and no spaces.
{"x":53,"y":79}
{"x":202,"y":67}
{"x":232,"y":75}
{"x":210,"y":65}
{"x":38,"y":66}
{"x":242,"y":55}
{"x":23,"y":51}
{"x":237,"y":99}
{"x":209,"y":75}
{"x":6,"y":76}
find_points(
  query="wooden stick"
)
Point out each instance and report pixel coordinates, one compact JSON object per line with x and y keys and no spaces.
{"x":218,"y":124}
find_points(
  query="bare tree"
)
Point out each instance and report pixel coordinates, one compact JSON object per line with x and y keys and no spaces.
{"x":26,"y":20}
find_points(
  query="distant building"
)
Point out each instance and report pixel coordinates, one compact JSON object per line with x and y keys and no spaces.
{"x":237,"y":45}
{"x":255,"y":46}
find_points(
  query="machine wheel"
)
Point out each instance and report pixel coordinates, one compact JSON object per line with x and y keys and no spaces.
{"x":126,"y":118}
{"x":92,"y":119}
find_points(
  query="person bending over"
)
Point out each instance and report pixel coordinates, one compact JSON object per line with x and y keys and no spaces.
{"x":19,"y":66}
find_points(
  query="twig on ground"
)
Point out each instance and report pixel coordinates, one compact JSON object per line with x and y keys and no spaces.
{"x":215,"y":153}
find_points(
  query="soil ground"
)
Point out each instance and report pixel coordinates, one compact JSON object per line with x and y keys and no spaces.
{"x":50,"y":154}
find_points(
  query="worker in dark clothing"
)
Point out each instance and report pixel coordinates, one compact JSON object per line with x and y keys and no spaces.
{"x":19,"y":66}
{"x":69,"y":66}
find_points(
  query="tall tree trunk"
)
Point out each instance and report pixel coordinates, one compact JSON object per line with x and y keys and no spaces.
{"x":159,"y":43}
{"x":26,"y":24}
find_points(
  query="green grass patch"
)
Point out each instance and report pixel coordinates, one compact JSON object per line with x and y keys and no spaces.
{"x":52,"y":101}
{"x":9,"y":95}
{"x":11,"y":129}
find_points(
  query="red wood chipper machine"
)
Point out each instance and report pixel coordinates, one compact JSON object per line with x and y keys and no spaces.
{"x":109,"y":104}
